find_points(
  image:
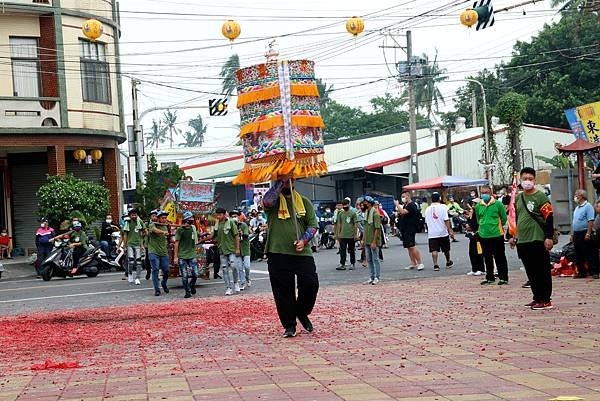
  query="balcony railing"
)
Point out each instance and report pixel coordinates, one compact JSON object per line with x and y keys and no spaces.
{"x":18,"y":112}
{"x":29,"y":2}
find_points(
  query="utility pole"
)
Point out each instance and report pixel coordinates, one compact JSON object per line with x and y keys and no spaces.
{"x":137,"y":131}
{"x":474,"y":109}
{"x":449,"y":150}
{"x":414,"y":162}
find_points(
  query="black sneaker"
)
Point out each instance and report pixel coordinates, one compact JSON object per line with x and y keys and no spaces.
{"x":217,"y":276}
{"x":193,"y":290}
{"x":502,"y":282}
{"x":187,"y":295}
{"x":157,"y":293}
{"x":147,"y":274}
{"x":449,"y":264}
{"x":526,"y":285}
{"x":488,"y":282}
{"x":306,"y":323}
{"x":436,"y":268}
{"x":290,"y":332}
{"x":166,"y":289}
{"x":596,"y":276}
{"x":341,"y":267}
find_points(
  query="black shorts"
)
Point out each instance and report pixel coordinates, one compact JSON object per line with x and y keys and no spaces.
{"x":439,"y":244}
{"x":408,"y":238}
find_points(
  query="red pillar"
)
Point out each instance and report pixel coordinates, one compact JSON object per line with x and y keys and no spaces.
{"x":112,"y":180}
{"x":581,"y":167}
{"x":56,"y":160}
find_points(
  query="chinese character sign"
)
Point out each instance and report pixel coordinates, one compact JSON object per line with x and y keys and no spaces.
{"x":585,"y":121}
{"x":191,"y":191}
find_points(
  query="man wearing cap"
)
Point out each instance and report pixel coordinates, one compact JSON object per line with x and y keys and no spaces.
{"x":158,"y":233}
{"x":345,"y":231}
{"x":292,"y":224}
{"x":372,"y":239}
{"x":78,"y":241}
{"x":227,"y":236}
{"x":43,"y":243}
{"x":133,"y":240}
{"x":439,"y":231}
{"x":185,"y":251}
{"x":243,"y":260}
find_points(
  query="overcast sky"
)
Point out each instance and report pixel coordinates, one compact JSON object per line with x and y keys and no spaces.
{"x":163,"y":46}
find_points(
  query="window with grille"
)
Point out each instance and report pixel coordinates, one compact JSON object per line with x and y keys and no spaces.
{"x":95,"y":73}
{"x":25,"y":66}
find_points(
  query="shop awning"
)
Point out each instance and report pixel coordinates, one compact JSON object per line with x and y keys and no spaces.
{"x":446,"y":181}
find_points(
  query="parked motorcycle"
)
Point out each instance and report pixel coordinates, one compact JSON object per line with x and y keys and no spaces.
{"x":459,"y":222}
{"x":60,"y":262}
{"x":258,"y":241}
{"x":327,"y":236}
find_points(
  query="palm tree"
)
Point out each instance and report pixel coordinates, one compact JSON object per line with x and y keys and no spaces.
{"x":195,"y":138}
{"x":157,"y":135}
{"x":170,"y":124}
{"x":584,"y":5}
{"x":227,"y":74}
{"x":324,"y":91}
{"x":427,"y":93}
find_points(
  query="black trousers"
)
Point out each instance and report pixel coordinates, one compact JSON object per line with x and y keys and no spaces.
{"x":493,"y":249}
{"x":347,"y":245}
{"x":536,"y":260}
{"x":283,"y":271}
{"x":586,"y":253}
{"x":476,"y":258}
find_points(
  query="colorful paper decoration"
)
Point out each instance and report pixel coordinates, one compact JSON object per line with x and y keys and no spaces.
{"x":281,"y":124}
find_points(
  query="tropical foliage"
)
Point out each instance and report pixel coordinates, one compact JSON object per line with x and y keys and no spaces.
{"x":156,"y":183}
{"x":64,"y":197}
{"x":157,"y":135}
{"x":227,"y":75}
{"x":427,"y":93}
{"x":169,"y":122}
{"x":195,"y":138}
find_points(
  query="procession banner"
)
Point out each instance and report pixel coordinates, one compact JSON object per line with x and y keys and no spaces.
{"x":194,"y":191}
{"x":585,"y":121}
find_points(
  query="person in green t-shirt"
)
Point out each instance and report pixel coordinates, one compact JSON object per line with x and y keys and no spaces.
{"x":243,"y":260}
{"x":346,"y":229}
{"x":372,"y":239}
{"x":227,"y":237}
{"x":292,"y":224}
{"x":535,"y":230}
{"x":158,"y":234}
{"x":185,"y":252}
{"x":134,"y":232}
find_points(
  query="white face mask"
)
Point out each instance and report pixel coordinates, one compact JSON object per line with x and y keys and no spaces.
{"x":109,"y":221}
{"x":43,"y":225}
{"x":576,"y":199}
{"x":527,"y":185}
{"x":3,"y":234}
{"x":403,"y":199}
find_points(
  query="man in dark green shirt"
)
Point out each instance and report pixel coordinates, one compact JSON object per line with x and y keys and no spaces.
{"x":157,"y":251}
{"x":346,"y":227}
{"x":243,"y":260}
{"x":228,"y":240}
{"x":292,"y":224}
{"x":185,"y":251}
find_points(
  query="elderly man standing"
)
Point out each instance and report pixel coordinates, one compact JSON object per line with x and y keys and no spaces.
{"x":488,"y":220}
{"x":583,"y":221}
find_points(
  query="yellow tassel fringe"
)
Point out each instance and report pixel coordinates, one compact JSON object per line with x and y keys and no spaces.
{"x":265,"y":125}
{"x":302,"y":167}
{"x":273,"y":92}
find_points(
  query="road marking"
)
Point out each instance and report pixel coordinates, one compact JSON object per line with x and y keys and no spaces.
{"x":259,"y":271}
{"x":72,"y":278}
{"x":99,"y":293}
{"x":58,"y":285}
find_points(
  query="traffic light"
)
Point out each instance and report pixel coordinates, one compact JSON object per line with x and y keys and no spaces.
{"x":217,"y":107}
{"x":481,"y":14}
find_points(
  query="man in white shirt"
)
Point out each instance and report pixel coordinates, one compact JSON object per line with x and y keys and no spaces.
{"x":439,"y":230}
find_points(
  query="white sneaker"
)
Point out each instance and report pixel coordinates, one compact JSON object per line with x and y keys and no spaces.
{"x":137,"y":281}
{"x":410,"y":267}
{"x":229,"y":292}
{"x":471,"y":274}
{"x":248,"y":284}
{"x":236,"y":287}
{"x":478,"y":273}
{"x":242,"y":287}
{"x":130,"y":278}
{"x":369,"y":281}
{"x":421,"y":266}
{"x":376,"y":281}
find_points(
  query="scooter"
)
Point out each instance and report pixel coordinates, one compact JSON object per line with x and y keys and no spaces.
{"x":60,"y":261}
{"x":459,"y":222}
{"x":257,"y":244}
{"x":327,"y":238}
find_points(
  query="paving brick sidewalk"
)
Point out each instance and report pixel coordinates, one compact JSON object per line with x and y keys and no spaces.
{"x":419,"y":340}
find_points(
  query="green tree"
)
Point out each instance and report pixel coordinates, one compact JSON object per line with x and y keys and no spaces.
{"x":427,"y":92}
{"x":324,"y":92}
{"x":195,"y":138}
{"x":512,"y":109}
{"x":150,"y":193}
{"x":64,"y":197}
{"x":156,"y":136}
{"x":575,"y":5}
{"x":341,"y":120}
{"x":170,"y":124}
{"x":227,"y":74}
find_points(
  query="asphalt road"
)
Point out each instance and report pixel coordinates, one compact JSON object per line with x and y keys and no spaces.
{"x":30,"y":294}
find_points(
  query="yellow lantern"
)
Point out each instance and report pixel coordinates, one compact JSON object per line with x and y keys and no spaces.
{"x":231,"y":30}
{"x":96,"y":155}
{"x":92,"y":29}
{"x":469,"y":17}
{"x":79,"y":155}
{"x":355,"y":25}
